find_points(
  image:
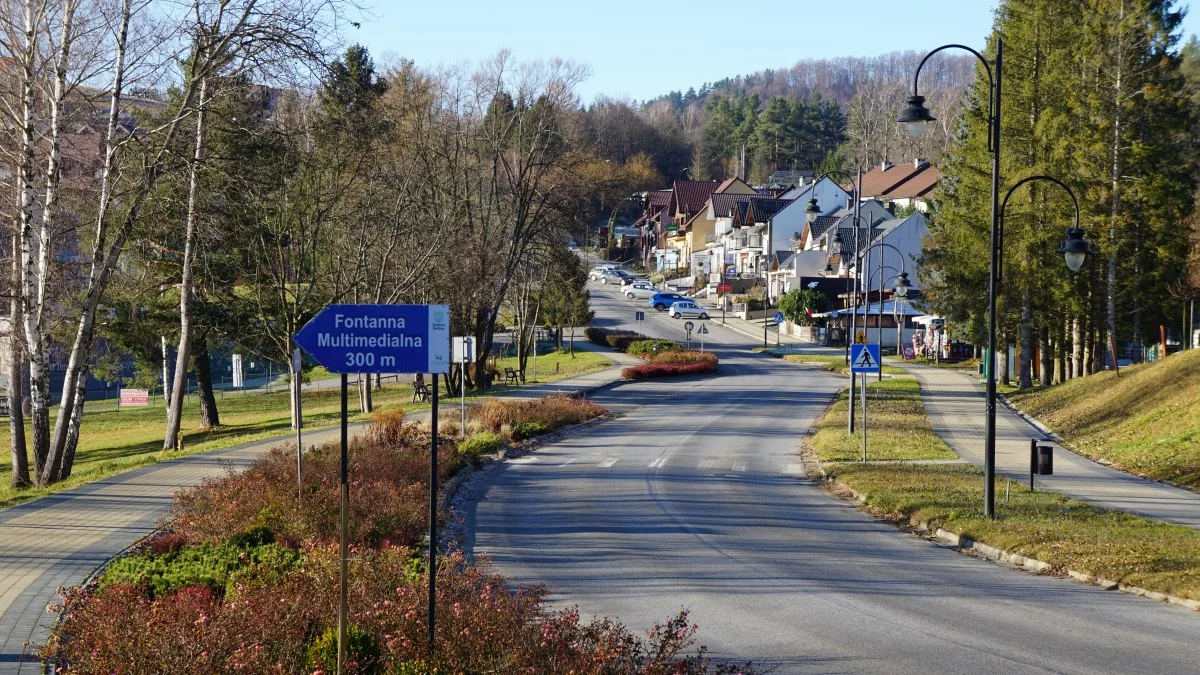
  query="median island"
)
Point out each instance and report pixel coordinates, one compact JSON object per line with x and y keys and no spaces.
{"x":664,"y":358}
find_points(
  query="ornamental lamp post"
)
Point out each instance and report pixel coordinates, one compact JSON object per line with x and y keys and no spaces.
{"x":900,"y":293}
{"x":914,"y":117}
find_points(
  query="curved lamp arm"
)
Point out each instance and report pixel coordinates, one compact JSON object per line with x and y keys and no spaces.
{"x":917,"y":114}
{"x":903,"y":262}
{"x":1074,"y":244}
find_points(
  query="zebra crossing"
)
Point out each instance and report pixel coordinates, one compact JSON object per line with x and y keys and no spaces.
{"x":789,"y":467}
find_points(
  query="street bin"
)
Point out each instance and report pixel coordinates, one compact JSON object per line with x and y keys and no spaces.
{"x":1041,"y":459}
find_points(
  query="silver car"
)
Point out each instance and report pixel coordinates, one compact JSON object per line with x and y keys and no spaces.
{"x":686,"y":309}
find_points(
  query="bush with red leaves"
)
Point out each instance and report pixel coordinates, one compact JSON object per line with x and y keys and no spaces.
{"x":673,"y":363}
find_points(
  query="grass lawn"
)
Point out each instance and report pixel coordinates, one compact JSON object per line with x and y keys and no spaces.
{"x":1147,"y":420}
{"x":112,"y":442}
{"x":1060,"y":531}
{"x":835,"y":363}
{"x":897,"y":428}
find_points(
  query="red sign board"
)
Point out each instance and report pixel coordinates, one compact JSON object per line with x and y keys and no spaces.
{"x":135,"y":397}
{"x":724,"y":288}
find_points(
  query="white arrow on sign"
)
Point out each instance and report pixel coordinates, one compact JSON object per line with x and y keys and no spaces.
{"x":703,"y":329}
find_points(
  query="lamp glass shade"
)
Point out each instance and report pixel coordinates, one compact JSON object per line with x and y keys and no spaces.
{"x":812,"y":211}
{"x":835,"y":246}
{"x":1074,"y":260}
{"x":916,"y":129}
{"x":1075,"y":248}
{"x":902,"y":286}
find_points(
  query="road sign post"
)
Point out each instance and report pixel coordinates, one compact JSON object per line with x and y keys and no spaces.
{"x":702,"y":330}
{"x":296,"y":368}
{"x":864,"y":358}
{"x":464,"y":354}
{"x":372,"y":339}
{"x":687,"y":328}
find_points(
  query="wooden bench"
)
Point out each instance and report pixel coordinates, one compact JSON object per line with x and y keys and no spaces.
{"x":420,"y":392}
{"x":511,"y":376}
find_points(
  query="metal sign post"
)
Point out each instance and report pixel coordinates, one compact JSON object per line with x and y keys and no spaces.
{"x":687,"y":329}
{"x":296,"y":364}
{"x":702,"y":330}
{"x":464,"y":353}
{"x":864,"y":358}
{"x":373,"y":339}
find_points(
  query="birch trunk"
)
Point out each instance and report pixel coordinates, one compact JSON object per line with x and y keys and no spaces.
{"x":191,"y":243}
{"x":1025,"y":365}
{"x":16,"y":373}
{"x":1076,"y":348}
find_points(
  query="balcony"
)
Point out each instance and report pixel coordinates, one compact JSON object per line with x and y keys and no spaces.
{"x":749,"y":241}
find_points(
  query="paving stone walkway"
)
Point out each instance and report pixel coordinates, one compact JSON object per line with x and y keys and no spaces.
{"x":955,"y":402}
{"x":59,"y":540}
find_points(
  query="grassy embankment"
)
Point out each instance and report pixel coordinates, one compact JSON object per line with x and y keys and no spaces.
{"x":1065,"y":533}
{"x":1147,"y":420}
{"x":112,"y":442}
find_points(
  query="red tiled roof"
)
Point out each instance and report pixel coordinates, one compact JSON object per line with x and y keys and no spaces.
{"x":691,"y":195}
{"x":660,"y":198}
{"x":887,"y":182}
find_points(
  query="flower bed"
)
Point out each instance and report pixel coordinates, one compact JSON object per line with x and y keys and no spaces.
{"x":672,"y":363}
{"x":246,"y":578}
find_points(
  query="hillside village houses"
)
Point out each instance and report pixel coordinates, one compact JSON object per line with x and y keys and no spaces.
{"x":733,"y":236}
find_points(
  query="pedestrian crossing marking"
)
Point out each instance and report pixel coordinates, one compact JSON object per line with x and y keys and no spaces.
{"x":864,"y":358}
{"x":609,"y":461}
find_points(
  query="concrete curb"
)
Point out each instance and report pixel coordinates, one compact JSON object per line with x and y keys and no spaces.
{"x":1033,"y":565}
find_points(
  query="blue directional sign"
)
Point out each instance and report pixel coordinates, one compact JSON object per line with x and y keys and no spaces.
{"x":864,"y":358}
{"x":379,"y":338}
{"x":778,"y":317}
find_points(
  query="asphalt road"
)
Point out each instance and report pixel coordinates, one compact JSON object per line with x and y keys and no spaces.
{"x":695,"y":498}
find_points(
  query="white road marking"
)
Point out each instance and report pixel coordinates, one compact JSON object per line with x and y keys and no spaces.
{"x":661,"y":461}
{"x":739,"y":466}
{"x":567,"y":462}
{"x":792,"y":469}
{"x":706,"y":465}
{"x":527,"y":459}
{"x":609,"y":461}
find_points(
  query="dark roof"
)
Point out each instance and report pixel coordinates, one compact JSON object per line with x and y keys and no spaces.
{"x":747,"y":209}
{"x":765,"y":209}
{"x":779,"y":257}
{"x":691,"y":195}
{"x":660,"y":198}
{"x":821,"y":224}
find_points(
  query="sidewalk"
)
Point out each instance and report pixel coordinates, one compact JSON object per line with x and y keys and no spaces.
{"x":955,"y":402}
{"x":752,"y":328}
{"x":60,"y":539}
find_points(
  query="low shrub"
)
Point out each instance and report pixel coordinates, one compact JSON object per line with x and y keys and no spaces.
{"x":615,"y":338}
{"x":483,"y":626}
{"x":651,"y":346}
{"x":513,"y":419}
{"x":389,"y":469}
{"x":362,"y":652}
{"x":523,"y":430}
{"x":482,"y":443}
{"x":204,"y":565}
{"x":650,"y":370}
{"x":684,"y":356}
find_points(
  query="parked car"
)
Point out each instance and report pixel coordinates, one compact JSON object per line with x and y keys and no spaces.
{"x":599,"y":270}
{"x":635,"y":282}
{"x":663,"y":300}
{"x":687,"y":309}
{"x":640,"y":289}
{"x":615,"y":277}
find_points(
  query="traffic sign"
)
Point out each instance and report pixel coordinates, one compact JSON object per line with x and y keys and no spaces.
{"x":639,"y":316}
{"x":464,"y":349}
{"x":778,"y":317}
{"x":860,"y":338}
{"x":379,"y":338}
{"x":864,"y":358}
{"x":688,"y":326}
{"x":703,"y":329}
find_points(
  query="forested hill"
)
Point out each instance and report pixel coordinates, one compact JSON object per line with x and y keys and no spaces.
{"x":838,"y":78}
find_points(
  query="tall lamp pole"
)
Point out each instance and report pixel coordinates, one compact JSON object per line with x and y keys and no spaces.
{"x":1074,"y":248}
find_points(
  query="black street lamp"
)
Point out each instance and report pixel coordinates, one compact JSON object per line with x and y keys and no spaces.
{"x":915,"y":117}
{"x":879,"y":310}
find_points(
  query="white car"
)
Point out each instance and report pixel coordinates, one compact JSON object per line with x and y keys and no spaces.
{"x":686,"y":309}
{"x":598,"y":271}
{"x":639,"y":290}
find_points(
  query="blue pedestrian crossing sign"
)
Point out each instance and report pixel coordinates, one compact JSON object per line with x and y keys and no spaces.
{"x":778,"y":317}
{"x":864,"y":358}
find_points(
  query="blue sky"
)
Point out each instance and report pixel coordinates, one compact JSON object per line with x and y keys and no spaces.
{"x":641,"y":49}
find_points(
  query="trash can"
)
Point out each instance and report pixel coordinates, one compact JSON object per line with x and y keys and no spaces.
{"x":1045,"y":459}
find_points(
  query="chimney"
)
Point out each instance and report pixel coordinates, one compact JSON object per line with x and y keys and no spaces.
{"x":885,"y":165}
{"x":918,"y":163}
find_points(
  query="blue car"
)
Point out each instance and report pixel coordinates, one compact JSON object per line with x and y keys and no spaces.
{"x":661,"y":301}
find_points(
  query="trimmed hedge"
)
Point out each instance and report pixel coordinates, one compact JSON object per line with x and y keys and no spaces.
{"x":672,"y":363}
{"x":615,"y":338}
{"x":651,"y":346}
